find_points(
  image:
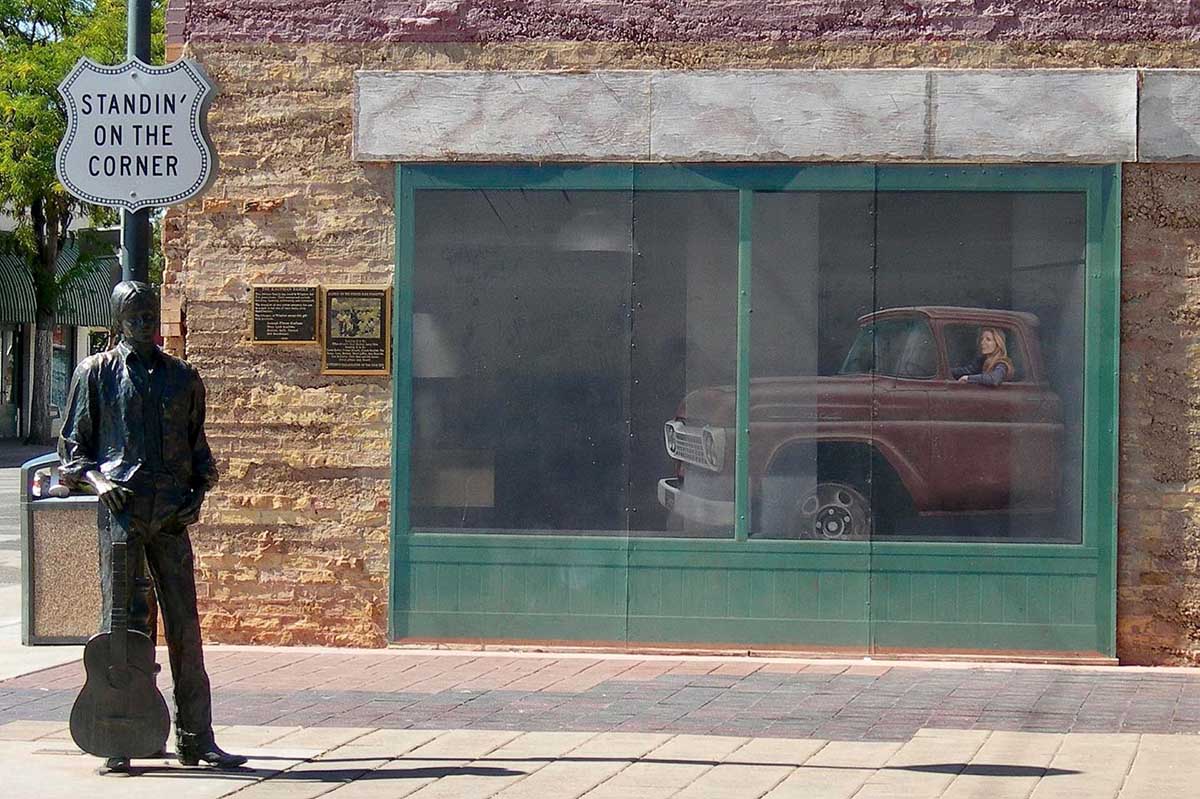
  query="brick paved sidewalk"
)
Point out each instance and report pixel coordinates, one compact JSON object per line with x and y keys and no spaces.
{"x":717,"y":696}
{"x":369,"y":725}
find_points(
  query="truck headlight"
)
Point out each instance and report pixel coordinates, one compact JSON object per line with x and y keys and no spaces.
{"x":672,"y":437}
{"x":714,"y":447}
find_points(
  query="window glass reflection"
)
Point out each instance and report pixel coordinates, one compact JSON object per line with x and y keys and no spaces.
{"x":520,"y":360}
{"x":931,"y":385}
{"x":684,"y":357}
{"x":1001,"y":276}
{"x":814,"y":349}
{"x":916,"y":364}
{"x":555,"y":336}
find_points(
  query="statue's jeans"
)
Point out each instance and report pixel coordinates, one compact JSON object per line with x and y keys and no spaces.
{"x":157,"y":542}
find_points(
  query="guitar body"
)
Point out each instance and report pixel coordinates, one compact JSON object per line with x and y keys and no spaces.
{"x":120,"y":712}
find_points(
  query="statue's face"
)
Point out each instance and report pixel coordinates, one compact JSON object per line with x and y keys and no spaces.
{"x":139,"y":323}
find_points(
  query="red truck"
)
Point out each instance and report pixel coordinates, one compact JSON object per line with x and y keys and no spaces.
{"x":893,"y":436}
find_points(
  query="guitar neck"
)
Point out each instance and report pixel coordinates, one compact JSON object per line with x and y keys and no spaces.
{"x":119,"y":617}
{"x":119,"y":613}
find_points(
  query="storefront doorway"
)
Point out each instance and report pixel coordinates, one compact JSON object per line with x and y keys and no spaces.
{"x":858,"y":408}
{"x":11,"y":360}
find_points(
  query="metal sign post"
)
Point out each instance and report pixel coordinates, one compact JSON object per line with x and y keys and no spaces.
{"x":135,"y":225}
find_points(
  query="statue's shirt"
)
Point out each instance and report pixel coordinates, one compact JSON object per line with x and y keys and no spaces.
{"x":136,"y":420}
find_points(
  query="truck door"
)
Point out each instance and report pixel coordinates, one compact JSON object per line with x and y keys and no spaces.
{"x":906,"y":364}
{"x":995,"y":448}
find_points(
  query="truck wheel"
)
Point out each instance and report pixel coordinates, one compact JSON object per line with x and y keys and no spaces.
{"x":834,"y":512}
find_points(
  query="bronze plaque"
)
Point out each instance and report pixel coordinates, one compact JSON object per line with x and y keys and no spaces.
{"x":283,"y":314}
{"x":357,"y":330}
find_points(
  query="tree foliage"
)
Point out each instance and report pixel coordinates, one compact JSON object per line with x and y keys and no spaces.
{"x":40,"y":41}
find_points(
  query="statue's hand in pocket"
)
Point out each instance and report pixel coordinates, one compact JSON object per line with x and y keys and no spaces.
{"x":189,"y":512}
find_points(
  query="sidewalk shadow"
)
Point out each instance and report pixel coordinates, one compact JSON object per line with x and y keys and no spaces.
{"x":330,"y":775}
{"x":395,"y":771}
{"x":985,"y":770}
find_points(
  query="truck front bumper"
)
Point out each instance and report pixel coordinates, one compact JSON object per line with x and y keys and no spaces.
{"x":693,"y":508}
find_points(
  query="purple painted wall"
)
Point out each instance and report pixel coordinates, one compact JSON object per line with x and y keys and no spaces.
{"x":685,"y":20}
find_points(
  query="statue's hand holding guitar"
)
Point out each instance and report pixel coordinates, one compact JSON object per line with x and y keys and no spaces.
{"x":113,"y":496}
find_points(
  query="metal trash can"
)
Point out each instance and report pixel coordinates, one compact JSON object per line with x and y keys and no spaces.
{"x":59,"y":562}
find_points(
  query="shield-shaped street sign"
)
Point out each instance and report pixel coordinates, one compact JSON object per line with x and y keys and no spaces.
{"x":136,"y":134}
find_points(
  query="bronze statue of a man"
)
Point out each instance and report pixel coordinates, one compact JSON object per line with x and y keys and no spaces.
{"x":134,"y":431}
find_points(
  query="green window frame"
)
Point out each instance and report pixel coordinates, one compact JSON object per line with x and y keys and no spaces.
{"x":1093,"y":558}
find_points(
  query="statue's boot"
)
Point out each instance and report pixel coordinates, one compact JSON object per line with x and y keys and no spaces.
{"x":211,"y":754}
{"x":115,"y":765}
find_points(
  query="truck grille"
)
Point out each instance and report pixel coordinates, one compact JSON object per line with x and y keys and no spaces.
{"x":689,"y":446}
{"x":699,"y":446}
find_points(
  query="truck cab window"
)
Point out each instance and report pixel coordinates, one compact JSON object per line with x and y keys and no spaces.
{"x":893,"y":348}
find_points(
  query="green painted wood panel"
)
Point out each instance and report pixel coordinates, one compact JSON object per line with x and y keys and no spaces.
{"x":1001,"y":637}
{"x":512,"y":587}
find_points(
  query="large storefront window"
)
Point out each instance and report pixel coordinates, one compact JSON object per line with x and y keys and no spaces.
{"x":916,"y":363}
{"x":853,"y":406}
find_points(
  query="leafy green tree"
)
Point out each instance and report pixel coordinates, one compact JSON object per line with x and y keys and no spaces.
{"x":40,"y":40}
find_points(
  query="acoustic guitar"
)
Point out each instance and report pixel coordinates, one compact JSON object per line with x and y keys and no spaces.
{"x":120,"y":712}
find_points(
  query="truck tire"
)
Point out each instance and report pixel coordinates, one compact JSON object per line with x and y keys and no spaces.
{"x":833,"y":511}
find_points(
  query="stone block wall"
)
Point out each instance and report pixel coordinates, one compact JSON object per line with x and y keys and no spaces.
{"x":1158,"y":531}
{"x":293,"y":545}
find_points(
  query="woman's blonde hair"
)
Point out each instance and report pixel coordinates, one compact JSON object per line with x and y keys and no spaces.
{"x":1000,"y":355}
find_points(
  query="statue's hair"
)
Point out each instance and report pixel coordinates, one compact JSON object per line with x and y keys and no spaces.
{"x":128,"y":293}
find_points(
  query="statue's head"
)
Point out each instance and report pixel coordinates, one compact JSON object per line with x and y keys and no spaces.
{"x":135,"y":311}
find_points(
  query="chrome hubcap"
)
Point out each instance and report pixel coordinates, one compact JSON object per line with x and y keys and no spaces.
{"x":834,"y":511}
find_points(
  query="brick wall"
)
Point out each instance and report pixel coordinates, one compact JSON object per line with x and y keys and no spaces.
{"x":293,"y":546}
{"x":175,"y":21}
{"x":689,"y":20}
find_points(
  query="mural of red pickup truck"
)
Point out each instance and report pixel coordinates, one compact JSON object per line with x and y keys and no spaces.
{"x":895,"y":436}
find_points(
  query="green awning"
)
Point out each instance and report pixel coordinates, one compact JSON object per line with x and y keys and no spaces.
{"x":16,"y":291}
{"x":86,"y":303}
